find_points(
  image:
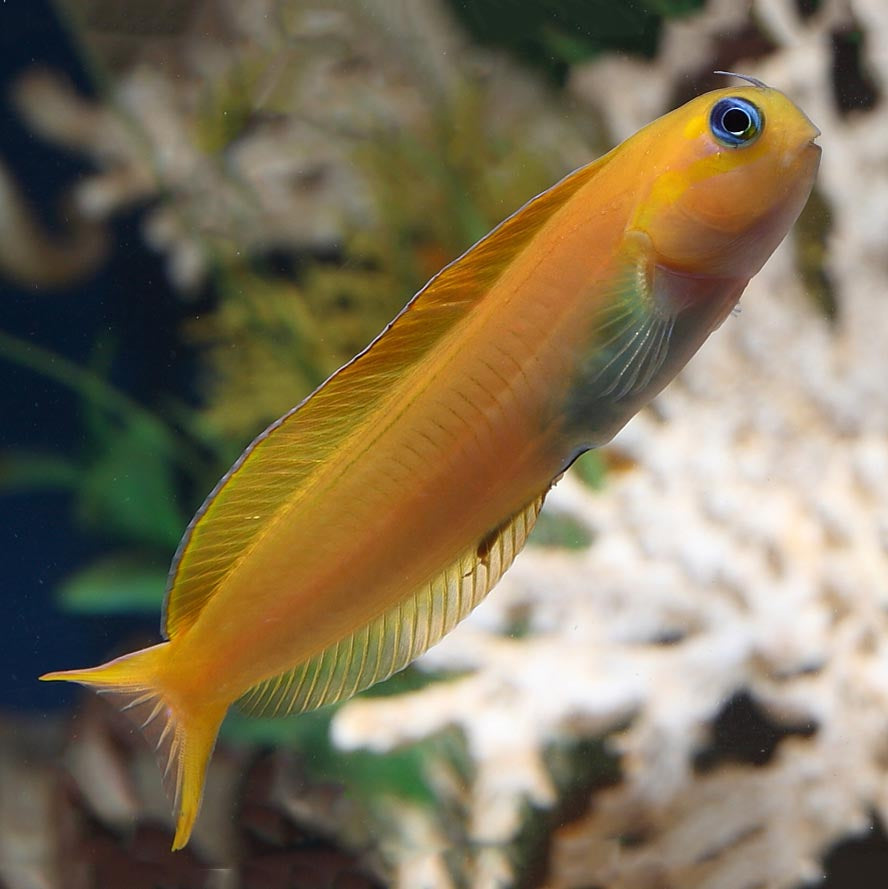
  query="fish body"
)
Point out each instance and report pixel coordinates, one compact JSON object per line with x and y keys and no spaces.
{"x":363,"y":525}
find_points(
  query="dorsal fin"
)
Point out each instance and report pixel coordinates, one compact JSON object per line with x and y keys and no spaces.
{"x":390,"y":642}
{"x":269,"y":475}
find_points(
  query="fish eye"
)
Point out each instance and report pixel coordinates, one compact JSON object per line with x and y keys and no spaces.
{"x":735,"y":122}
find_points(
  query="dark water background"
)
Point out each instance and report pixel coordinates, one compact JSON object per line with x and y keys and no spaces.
{"x":39,"y":545}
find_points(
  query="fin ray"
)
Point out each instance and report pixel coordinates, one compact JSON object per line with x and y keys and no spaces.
{"x":288,"y":456}
{"x":385,"y":645}
{"x":182,"y":739}
{"x":634,"y":329}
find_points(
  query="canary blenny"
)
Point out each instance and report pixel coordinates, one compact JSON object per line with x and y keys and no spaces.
{"x":358,"y":529}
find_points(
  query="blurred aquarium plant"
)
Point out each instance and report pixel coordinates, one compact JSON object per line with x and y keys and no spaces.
{"x":554,"y":35}
{"x":314,"y":178}
{"x":123,"y":482}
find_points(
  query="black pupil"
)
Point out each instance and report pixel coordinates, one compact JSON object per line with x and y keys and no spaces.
{"x":736,"y":121}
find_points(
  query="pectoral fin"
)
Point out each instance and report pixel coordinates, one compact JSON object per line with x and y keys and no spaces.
{"x":649,"y":321}
{"x":633,"y":328}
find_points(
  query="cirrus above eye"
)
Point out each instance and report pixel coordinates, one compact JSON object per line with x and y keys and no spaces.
{"x":736,"y":122}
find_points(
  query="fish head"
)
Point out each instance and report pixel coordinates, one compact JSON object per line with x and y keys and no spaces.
{"x":732,"y":170}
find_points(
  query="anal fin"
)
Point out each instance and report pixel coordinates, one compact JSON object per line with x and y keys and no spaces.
{"x":398,"y":636}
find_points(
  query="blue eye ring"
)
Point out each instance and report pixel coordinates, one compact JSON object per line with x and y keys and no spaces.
{"x":736,"y":122}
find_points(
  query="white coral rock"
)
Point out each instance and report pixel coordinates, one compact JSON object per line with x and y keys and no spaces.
{"x":752,"y":534}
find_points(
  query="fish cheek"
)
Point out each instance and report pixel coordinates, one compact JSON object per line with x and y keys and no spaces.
{"x":711,"y":228}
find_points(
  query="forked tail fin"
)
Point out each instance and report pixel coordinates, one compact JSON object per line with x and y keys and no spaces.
{"x":183,"y":735}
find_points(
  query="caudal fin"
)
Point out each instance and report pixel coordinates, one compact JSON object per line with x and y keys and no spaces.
{"x":182,"y":735}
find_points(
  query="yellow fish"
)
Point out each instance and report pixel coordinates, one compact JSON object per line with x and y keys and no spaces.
{"x":363,"y":525}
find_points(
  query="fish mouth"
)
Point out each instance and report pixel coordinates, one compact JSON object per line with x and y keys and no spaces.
{"x":812,"y":142}
{"x":804,"y":150}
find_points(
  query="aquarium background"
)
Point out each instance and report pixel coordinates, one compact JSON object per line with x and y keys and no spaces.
{"x":205,"y":208}
{"x":42,"y":542}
